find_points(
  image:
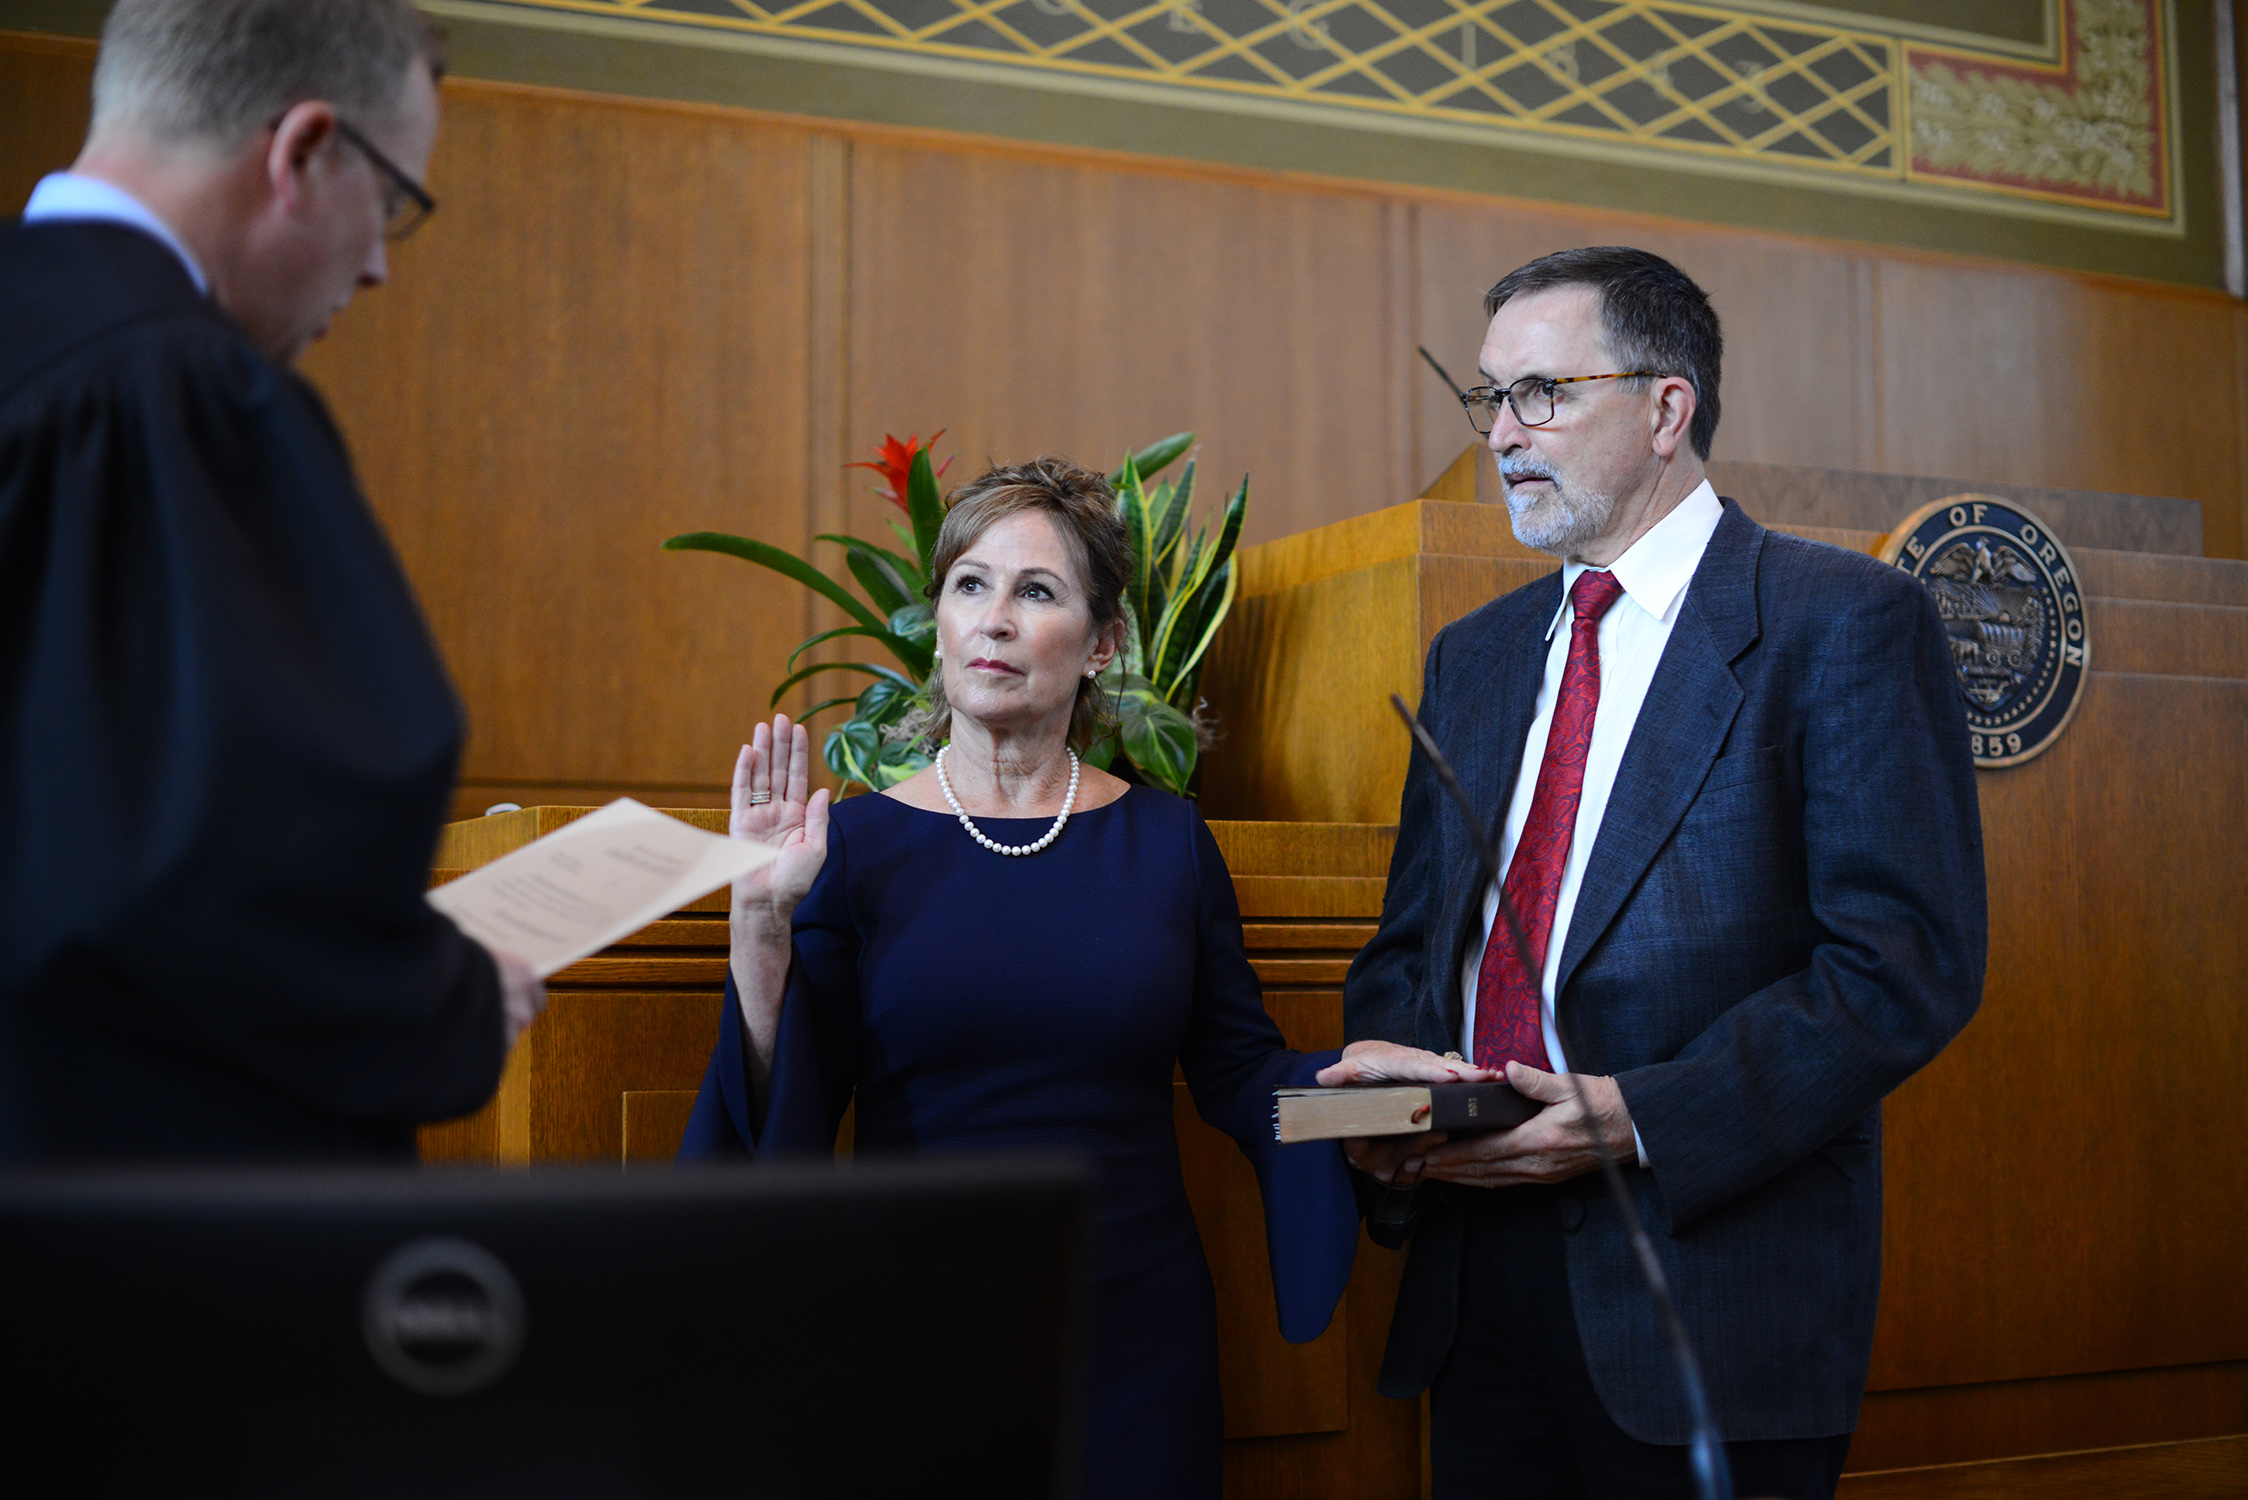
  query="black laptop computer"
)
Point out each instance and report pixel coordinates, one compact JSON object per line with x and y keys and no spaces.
{"x":768,"y":1331}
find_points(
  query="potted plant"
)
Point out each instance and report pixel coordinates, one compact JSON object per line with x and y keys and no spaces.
{"x":1182,"y":586}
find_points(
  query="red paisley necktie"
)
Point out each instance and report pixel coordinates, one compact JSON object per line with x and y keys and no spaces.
{"x":1506,"y":999}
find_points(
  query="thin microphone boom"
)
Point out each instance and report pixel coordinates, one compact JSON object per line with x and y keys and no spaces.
{"x":1440,"y":371}
{"x":1713,"y":1478}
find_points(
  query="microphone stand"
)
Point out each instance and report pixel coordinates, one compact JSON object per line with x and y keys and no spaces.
{"x":1713,"y":1477}
{"x":1441,"y":373}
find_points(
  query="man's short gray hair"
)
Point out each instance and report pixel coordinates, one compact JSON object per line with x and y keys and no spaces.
{"x":215,"y":72}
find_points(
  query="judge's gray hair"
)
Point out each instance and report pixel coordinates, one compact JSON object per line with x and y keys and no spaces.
{"x":215,"y":72}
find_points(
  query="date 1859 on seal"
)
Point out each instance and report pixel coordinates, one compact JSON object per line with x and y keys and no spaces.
{"x":2014,"y":610}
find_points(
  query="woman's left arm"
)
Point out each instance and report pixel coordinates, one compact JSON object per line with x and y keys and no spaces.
{"x":1234,"y":1057}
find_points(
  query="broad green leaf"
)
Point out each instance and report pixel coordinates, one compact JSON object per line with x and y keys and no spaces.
{"x":896,"y":762}
{"x":787,"y":564}
{"x":1155,"y":457}
{"x":888,"y":593}
{"x":926,"y":507}
{"x":915,"y":622}
{"x":887,"y":638}
{"x":903,"y":566}
{"x":821,"y":708}
{"x":1158,"y":738}
{"x":851,"y":751}
{"x":814,"y":670}
{"x":1102,"y":755}
{"x":885,"y":702}
{"x":915,"y":627}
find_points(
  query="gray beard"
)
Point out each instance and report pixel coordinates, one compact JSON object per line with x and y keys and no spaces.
{"x":1562,"y":520}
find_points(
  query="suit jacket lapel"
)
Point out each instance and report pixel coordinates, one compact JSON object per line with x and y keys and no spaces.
{"x":1487,"y":752}
{"x":1690,"y":705}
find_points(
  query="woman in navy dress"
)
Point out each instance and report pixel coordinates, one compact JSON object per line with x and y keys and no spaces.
{"x":1012,"y":949}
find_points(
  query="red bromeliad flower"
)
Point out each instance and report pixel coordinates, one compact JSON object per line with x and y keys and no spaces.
{"x":894,"y":462}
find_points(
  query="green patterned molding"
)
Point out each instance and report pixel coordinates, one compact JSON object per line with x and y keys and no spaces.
{"x":2075,"y":128}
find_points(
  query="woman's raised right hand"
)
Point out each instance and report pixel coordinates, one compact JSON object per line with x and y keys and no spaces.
{"x":778,"y":761}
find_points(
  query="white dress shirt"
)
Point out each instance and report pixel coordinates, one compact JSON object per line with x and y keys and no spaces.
{"x":1654,"y":573}
{"x":70,"y":195}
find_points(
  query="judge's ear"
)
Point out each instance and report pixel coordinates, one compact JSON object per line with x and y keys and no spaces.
{"x":299,"y":136}
{"x":1671,"y":412}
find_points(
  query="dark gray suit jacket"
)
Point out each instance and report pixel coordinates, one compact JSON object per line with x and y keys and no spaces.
{"x":1783,"y":919}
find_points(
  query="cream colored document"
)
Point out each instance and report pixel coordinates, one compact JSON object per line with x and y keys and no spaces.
{"x":604,"y":877}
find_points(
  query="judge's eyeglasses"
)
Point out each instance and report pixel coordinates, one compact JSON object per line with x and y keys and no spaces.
{"x":1532,"y":397}
{"x":406,"y":204}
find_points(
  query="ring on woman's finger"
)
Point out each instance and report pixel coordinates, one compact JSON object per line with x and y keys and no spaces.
{"x":759,"y":799}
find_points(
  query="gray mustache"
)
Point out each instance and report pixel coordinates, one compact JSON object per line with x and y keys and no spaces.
{"x":1513,"y":469}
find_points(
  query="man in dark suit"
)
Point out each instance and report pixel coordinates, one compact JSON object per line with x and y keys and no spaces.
{"x":1728,"y":774}
{"x":226,"y":741}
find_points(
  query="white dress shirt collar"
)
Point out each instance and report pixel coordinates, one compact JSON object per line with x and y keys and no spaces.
{"x":1655,"y":570}
{"x":72,"y":195}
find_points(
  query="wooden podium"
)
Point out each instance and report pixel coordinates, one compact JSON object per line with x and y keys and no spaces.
{"x":2064,"y":1234}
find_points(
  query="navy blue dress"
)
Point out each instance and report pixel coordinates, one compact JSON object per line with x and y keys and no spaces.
{"x":970,"y":1000}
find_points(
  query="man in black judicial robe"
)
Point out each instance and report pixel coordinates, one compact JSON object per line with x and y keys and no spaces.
{"x":226,"y":738}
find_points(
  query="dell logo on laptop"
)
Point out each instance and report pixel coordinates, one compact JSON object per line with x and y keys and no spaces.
{"x":443,"y":1317}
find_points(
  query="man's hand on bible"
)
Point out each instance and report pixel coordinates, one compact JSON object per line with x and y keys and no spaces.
{"x":1392,"y":1159}
{"x":1551,"y":1146}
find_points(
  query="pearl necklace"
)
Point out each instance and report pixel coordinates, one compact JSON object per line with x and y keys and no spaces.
{"x":994,"y":845}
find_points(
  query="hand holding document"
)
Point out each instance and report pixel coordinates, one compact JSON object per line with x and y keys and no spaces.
{"x":581,"y":888}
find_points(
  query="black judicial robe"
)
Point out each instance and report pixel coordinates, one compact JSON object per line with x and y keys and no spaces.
{"x":226,"y":746}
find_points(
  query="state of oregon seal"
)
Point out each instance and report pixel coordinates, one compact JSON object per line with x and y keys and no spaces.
{"x":2013,"y":607}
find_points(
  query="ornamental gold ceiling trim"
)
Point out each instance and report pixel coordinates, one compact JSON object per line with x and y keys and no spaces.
{"x":2083,"y":132}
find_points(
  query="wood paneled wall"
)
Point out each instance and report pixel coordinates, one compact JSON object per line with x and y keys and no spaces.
{"x":632,"y":319}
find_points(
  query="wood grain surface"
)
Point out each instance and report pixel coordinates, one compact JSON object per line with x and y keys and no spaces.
{"x":637,"y":318}
{"x":2210,"y":1469}
{"x":633,"y":319}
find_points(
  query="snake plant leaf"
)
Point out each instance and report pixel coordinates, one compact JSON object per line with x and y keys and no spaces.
{"x":1127,"y":660}
{"x":1158,"y":738}
{"x":787,"y":564}
{"x":1184,"y":677}
{"x":1170,"y":522}
{"x":816,"y":668}
{"x":1155,"y":457}
{"x":1183,"y":630}
{"x":926,"y":507}
{"x":1131,"y":507}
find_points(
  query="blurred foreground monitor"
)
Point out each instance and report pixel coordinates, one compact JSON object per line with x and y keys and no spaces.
{"x":774,"y":1331}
